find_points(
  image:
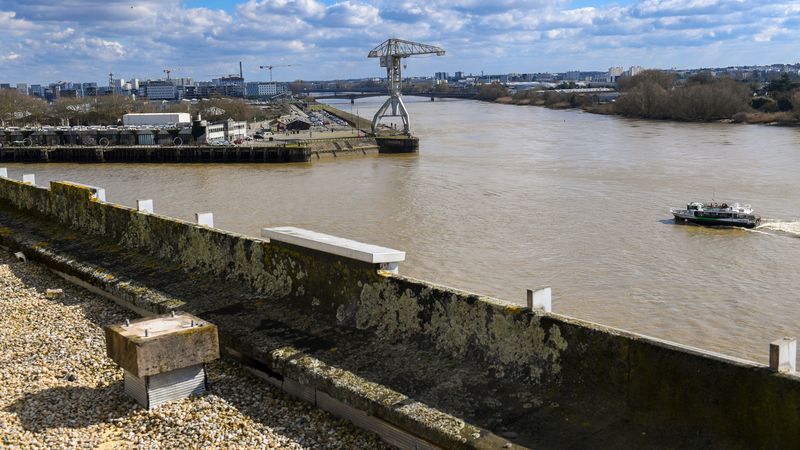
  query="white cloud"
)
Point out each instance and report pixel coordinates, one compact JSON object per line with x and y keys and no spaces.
{"x":11,"y":24}
{"x":350,"y":14}
{"x":76,"y":38}
{"x":8,"y":57}
{"x":770,"y":32}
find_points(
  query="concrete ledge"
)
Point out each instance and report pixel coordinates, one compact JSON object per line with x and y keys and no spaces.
{"x":334,"y":245}
{"x":404,"y":350}
{"x":98,"y":193}
{"x":397,"y":418}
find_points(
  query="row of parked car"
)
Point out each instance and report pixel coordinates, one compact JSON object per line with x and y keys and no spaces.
{"x":261,"y":134}
{"x":322,"y":118}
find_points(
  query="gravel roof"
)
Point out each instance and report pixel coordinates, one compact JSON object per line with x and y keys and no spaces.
{"x":59,"y":390}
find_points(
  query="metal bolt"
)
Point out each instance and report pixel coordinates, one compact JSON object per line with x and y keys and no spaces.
{"x":173,"y":313}
{"x":127,"y":322}
{"x":146,"y":333}
{"x":192,"y":322}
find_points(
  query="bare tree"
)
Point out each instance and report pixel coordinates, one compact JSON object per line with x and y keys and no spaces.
{"x":663,"y":79}
{"x":20,"y":109}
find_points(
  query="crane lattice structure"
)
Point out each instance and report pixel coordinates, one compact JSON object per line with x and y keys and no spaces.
{"x":391,"y":53}
{"x":270,"y":67}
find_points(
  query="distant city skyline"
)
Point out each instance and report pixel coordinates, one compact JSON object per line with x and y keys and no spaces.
{"x":84,"y":40}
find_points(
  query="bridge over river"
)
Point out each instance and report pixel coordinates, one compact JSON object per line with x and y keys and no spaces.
{"x":352,"y":96}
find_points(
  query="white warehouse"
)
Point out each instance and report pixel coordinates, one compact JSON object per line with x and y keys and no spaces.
{"x":156,"y":119}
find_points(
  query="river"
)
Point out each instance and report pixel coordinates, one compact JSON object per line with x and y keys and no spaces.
{"x":503,"y":198}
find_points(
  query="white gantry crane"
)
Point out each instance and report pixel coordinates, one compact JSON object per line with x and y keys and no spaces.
{"x":391,"y":52}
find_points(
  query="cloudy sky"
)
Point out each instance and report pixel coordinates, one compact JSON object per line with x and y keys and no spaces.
{"x":83,"y":40}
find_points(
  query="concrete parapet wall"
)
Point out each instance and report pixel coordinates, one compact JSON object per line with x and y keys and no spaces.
{"x":654,"y":381}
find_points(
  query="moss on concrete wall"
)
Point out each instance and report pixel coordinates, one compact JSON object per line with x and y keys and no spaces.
{"x":654,"y":380}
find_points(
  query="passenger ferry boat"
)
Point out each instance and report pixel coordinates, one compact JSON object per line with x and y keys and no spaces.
{"x":714,"y":214}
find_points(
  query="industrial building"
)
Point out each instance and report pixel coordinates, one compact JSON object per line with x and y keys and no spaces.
{"x":235,"y":130}
{"x":294,"y":124}
{"x":263,"y":89}
{"x":156,"y":119}
{"x":231,"y":86}
{"x":139,"y":129}
{"x":159,"y":90}
{"x":217,"y":132}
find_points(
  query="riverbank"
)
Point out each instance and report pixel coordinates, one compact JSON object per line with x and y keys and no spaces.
{"x":752,"y":118}
{"x":58,"y":389}
{"x":694,"y":110}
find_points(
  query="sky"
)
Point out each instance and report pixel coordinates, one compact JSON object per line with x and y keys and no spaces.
{"x":44,"y":41}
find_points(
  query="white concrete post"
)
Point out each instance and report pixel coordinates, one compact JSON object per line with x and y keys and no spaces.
{"x":3,"y":172}
{"x":205,"y":219}
{"x":97,"y":192}
{"x":100,"y":194}
{"x":540,"y":298}
{"x":145,"y":205}
{"x":29,"y":178}
{"x":387,"y":259}
{"x":783,"y":355}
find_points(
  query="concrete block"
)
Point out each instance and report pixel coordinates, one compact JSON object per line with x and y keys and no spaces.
{"x":205,"y":219}
{"x":336,"y":245}
{"x":3,"y":172}
{"x":145,"y":205}
{"x":541,"y":299}
{"x":161,"y":344}
{"x":29,"y":178}
{"x":783,"y":355}
{"x":97,"y":192}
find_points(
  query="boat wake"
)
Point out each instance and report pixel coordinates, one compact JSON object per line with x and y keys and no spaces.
{"x":790,"y":228}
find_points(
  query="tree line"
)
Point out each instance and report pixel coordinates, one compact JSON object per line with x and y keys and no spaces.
{"x":654,"y":94}
{"x":17,"y":109}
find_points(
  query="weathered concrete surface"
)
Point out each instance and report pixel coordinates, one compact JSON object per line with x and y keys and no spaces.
{"x":156,"y":154}
{"x":447,"y":365}
{"x":300,"y":151}
{"x":398,"y":144}
{"x":163,"y":343}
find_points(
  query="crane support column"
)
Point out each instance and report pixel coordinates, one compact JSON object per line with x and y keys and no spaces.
{"x":391,"y":53}
{"x":395,"y":100}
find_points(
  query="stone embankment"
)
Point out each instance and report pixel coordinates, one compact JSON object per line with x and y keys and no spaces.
{"x":423,"y":365}
{"x":295,"y":151}
{"x":58,"y":389}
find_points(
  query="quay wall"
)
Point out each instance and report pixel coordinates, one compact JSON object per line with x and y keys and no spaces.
{"x":301,"y":151}
{"x":156,"y":154}
{"x":652,"y":379}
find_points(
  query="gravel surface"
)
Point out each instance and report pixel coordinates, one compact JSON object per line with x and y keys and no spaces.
{"x":59,"y":390}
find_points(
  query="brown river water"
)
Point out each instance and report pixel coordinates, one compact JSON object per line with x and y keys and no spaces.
{"x":503,"y":198}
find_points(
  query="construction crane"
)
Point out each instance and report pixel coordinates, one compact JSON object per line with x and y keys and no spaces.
{"x":391,"y":52}
{"x":167,"y":71}
{"x":270,"y":67}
